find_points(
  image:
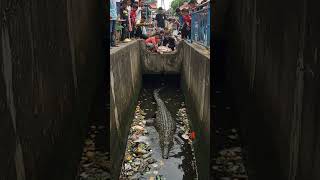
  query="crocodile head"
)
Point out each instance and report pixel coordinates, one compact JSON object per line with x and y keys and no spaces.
{"x":166,"y":147}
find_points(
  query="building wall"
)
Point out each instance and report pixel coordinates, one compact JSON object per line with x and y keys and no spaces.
{"x":273,"y":67}
{"x":50,"y":56}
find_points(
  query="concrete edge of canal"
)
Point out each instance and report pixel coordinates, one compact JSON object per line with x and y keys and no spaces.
{"x":126,"y":68}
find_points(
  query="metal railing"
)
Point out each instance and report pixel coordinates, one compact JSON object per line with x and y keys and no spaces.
{"x":200,"y":25}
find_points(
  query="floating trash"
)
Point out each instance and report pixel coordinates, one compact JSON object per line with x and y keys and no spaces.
{"x":94,"y":164}
{"x":228,"y":163}
{"x":142,"y":160}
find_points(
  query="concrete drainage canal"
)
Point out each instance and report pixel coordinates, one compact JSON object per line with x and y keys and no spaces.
{"x":144,"y":155}
{"x":145,"y":125}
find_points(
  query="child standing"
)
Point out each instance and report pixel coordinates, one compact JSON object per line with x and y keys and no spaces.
{"x":186,"y":29}
{"x":133,"y":19}
{"x":113,"y":19}
{"x":124,"y":23}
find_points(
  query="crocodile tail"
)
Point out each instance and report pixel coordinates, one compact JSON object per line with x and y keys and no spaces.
{"x":156,"y":91}
{"x":159,"y":89}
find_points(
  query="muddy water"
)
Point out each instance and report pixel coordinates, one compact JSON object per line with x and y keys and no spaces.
{"x":181,"y":163}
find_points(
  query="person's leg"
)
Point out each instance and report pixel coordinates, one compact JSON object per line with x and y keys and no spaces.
{"x":111,"y":34}
{"x":132,"y":33}
{"x":124,"y":31}
{"x":114,"y":33}
{"x":118,"y":7}
{"x":183,"y":33}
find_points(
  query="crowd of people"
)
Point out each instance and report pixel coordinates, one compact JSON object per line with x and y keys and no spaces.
{"x":160,"y":31}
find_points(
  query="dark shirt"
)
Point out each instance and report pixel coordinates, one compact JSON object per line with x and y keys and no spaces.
{"x":139,"y":31}
{"x":160,"y":20}
{"x":170,"y":41}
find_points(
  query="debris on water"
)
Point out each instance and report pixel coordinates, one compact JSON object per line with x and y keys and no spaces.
{"x":140,"y":162}
{"x":90,"y":154}
{"x":233,"y":137}
{"x":228,"y":162}
{"x":185,"y":136}
{"x":138,"y":152}
{"x":94,"y":164}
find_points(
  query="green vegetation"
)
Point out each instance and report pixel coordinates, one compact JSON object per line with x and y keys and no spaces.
{"x":177,"y":3}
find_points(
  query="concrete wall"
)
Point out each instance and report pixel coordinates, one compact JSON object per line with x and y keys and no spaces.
{"x":195,"y":80}
{"x":274,"y":70}
{"x":125,"y":84}
{"x":50,"y":58}
{"x":155,"y":63}
{"x":126,"y":69}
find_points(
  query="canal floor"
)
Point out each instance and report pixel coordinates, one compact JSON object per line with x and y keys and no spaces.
{"x":228,"y":152}
{"x":181,"y":161}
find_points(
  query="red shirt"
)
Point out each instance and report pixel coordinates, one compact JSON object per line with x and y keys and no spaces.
{"x":133,"y":17}
{"x":152,"y":40}
{"x":187,"y":19}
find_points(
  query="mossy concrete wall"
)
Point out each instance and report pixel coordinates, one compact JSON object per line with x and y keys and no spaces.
{"x":273,"y":63}
{"x":51,"y":57}
{"x":125,"y":84}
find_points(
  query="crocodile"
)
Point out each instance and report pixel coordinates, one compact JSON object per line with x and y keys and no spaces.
{"x":165,"y":125}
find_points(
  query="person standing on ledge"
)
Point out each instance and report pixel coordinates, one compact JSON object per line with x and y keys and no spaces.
{"x":160,"y":19}
{"x":113,"y":19}
{"x":186,"y":28}
{"x":141,"y":29}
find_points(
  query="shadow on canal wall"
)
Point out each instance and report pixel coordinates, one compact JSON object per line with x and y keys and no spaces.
{"x":273,"y":72}
{"x":51,"y":57}
{"x":126,"y":71}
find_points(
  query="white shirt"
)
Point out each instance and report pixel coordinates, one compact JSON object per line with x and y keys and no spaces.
{"x":138,"y":17}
